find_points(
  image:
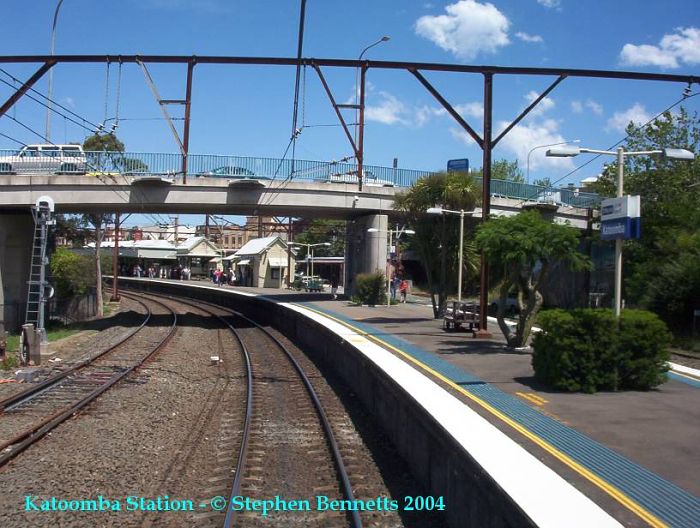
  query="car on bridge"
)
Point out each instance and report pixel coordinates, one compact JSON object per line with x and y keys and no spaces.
{"x":59,"y":159}
{"x":351,"y":177}
{"x":235,"y":172}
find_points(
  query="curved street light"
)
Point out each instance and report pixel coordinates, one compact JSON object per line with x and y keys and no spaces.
{"x":385,"y":38}
{"x":543,"y":146}
{"x":462,"y":213}
{"x":50,"y":93}
{"x":667,"y":153}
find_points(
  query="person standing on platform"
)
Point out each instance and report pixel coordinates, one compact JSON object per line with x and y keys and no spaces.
{"x":403,"y":289}
{"x":334,"y":286}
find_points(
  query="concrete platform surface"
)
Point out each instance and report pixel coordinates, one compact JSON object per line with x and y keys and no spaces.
{"x":643,"y":444}
{"x":634,"y":453}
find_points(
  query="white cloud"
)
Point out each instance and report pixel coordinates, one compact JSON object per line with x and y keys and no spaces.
{"x":543,"y":106}
{"x":468,"y":29}
{"x":461,"y":135}
{"x":389,"y":111}
{"x":526,"y":37}
{"x":549,"y":3}
{"x":673,"y":49}
{"x":636,"y":114}
{"x":69,"y":102}
{"x":595,"y":107}
{"x":523,"y":138}
{"x":475,"y":109}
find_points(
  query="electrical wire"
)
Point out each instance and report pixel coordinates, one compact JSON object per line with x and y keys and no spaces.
{"x":54,"y":103}
{"x":12,"y":139}
{"x":640,"y":127}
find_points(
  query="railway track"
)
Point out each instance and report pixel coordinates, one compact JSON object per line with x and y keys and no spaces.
{"x":32,"y":413}
{"x":285,"y":431}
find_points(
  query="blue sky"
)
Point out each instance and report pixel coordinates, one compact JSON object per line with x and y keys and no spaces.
{"x":247,"y":110}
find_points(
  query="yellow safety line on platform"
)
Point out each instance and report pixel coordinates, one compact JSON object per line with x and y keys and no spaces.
{"x":611,"y":490}
{"x":532,"y":398}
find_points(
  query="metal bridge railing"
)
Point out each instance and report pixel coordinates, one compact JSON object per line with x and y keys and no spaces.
{"x":211,"y":165}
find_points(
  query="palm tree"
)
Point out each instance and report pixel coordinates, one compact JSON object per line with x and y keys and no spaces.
{"x":456,"y":191}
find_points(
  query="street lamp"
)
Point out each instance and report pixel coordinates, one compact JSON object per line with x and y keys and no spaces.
{"x":50,"y":94}
{"x":543,"y":146}
{"x":358,"y":108}
{"x":309,"y":251}
{"x":667,"y":153}
{"x":398,"y":232}
{"x":462,"y":213}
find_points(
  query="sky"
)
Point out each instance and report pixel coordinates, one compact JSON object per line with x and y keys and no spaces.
{"x":247,"y":110}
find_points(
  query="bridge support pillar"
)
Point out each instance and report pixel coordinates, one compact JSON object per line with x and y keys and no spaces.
{"x":16,"y":232}
{"x":365,"y":252}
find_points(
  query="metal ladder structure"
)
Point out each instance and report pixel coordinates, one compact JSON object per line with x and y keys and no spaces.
{"x":36,"y":292}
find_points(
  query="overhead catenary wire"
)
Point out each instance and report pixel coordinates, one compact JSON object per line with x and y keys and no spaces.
{"x":639,"y":127}
{"x":93,"y":126}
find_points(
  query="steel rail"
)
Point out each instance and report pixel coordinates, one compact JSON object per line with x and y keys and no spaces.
{"x":30,"y":392}
{"x":351,"y":63}
{"x":245,"y":437}
{"x":23,"y":440}
{"x":356,"y":522}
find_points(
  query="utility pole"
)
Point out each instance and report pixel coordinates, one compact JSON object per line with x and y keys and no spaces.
{"x":115,"y":259}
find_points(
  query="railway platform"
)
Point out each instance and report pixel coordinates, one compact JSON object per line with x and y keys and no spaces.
{"x":632,"y":454}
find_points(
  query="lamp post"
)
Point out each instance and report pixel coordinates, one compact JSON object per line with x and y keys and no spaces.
{"x":543,"y":146}
{"x":309,"y":251}
{"x":668,"y":153}
{"x":462,"y":213}
{"x":360,"y":107}
{"x":398,"y":232}
{"x":53,"y":48}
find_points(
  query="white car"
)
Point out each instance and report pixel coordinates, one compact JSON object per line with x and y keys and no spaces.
{"x":370,"y":179}
{"x":61,"y":159}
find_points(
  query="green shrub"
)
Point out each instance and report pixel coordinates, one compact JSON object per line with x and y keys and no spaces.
{"x":643,"y":341}
{"x":370,"y":288}
{"x":588,"y":350}
{"x":72,"y":274}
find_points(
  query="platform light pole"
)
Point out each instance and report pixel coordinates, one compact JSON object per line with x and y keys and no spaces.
{"x":543,"y":146}
{"x":398,"y":232}
{"x":462,"y":213}
{"x":667,"y":153}
{"x":309,"y":252}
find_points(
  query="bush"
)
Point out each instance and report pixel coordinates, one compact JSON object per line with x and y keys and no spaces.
{"x":72,"y":274}
{"x":588,"y":350}
{"x":370,"y":288}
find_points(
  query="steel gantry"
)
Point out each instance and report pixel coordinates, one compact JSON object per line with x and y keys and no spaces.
{"x":486,"y":142}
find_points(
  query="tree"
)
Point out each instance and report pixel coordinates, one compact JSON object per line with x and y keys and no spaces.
{"x":318,"y":231}
{"x":658,"y":267}
{"x":105,"y":154}
{"x":98,"y":221}
{"x":507,"y":170}
{"x":543,"y":182}
{"x":525,"y":247}
{"x":437,"y":237}
{"x":71,"y":229}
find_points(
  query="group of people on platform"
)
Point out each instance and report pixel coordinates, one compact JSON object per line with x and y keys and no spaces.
{"x":398,"y":284}
{"x":221,"y":277}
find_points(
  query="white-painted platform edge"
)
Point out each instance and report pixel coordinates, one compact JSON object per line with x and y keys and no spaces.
{"x":684,"y":370}
{"x":544,"y":496}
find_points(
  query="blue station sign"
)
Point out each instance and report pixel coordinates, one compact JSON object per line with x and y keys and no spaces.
{"x":458,"y":165}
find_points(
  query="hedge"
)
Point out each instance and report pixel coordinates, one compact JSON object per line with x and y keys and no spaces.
{"x":370,"y":288}
{"x":589,"y":350}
